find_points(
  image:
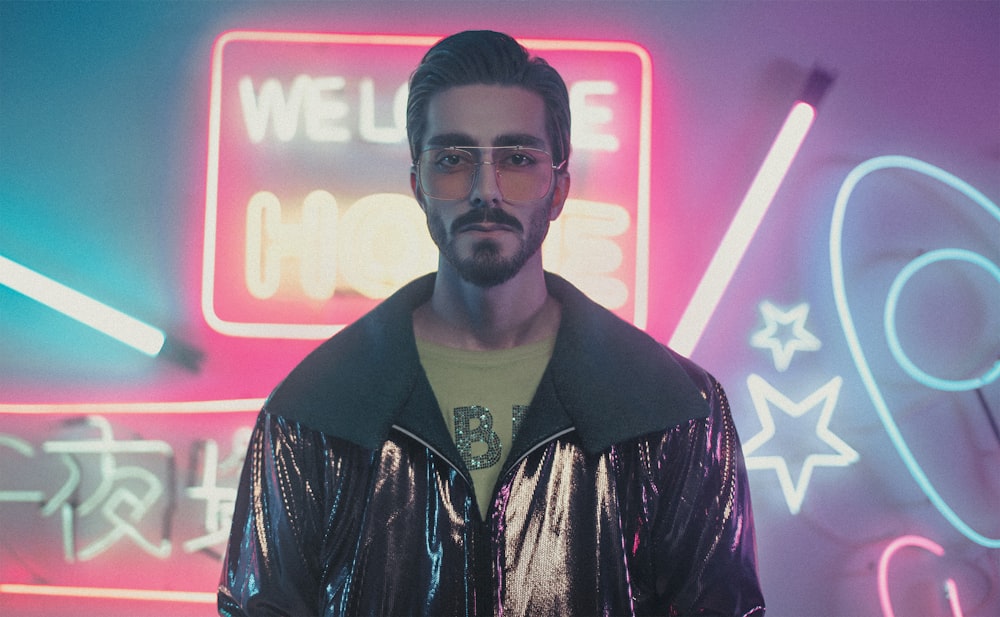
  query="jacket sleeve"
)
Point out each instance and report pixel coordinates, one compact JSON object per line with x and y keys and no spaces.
{"x":703,"y":529}
{"x":281,"y":560}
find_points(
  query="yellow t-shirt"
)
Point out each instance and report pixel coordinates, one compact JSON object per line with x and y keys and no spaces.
{"x":484,"y":395}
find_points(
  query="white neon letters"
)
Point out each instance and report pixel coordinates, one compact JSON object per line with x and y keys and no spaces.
{"x":377,"y":244}
{"x":582,"y":246}
{"x":312,"y":99}
{"x":269,"y":239}
{"x":588,"y":119}
{"x":317,"y":109}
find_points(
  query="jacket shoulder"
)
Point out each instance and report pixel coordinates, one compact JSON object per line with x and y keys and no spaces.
{"x":704,"y":381}
{"x":353,"y":383}
{"x":605,"y":367}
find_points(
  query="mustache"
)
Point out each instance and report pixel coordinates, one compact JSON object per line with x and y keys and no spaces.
{"x":486,"y":215}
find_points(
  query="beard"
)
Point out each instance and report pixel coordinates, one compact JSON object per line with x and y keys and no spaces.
{"x":486,"y":266}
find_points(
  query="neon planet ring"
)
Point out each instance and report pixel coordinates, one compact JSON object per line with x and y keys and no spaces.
{"x":948,"y":385}
{"x":851,"y":334}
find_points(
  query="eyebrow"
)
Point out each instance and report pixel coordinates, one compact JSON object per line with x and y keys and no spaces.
{"x":458,"y":140}
{"x":520,"y":139}
{"x":447,"y":140}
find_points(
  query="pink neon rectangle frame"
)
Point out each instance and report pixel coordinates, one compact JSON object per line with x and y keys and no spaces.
{"x":318,"y":331}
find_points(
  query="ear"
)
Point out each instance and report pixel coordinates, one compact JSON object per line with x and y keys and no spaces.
{"x":559,"y":194}
{"x":416,"y":188}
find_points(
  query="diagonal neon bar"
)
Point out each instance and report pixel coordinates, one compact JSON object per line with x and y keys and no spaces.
{"x":742,"y":229}
{"x":112,"y":322}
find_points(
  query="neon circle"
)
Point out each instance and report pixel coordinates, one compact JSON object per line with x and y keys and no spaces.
{"x":949,"y":385}
{"x":851,"y":334}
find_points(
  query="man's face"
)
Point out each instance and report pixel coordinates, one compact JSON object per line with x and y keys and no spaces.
{"x":485,"y":238}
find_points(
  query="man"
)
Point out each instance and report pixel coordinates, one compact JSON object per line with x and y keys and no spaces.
{"x":488,"y":440}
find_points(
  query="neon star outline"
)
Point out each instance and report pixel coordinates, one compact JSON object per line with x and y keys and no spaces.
{"x":764,"y":395}
{"x":802,"y":340}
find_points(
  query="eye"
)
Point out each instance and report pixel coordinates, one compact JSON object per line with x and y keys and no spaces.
{"x":517,"y":159}
{"x":452,"y":160}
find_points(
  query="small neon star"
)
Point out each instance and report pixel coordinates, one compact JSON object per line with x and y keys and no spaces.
{"x":783,"y":350}
{"x":764,"y":396}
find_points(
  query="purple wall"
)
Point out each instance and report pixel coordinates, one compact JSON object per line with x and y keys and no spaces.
{"x":103,"y":123}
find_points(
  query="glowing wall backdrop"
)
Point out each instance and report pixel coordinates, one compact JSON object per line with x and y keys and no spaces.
{"x":193,"y":195}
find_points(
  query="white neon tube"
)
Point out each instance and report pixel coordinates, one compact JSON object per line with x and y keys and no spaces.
{"x":83,"y":308}
{"x":742,"y":228}
{"x":198,"y":597}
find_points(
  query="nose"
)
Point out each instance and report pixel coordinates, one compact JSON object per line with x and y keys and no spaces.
{"x":485,"y":189}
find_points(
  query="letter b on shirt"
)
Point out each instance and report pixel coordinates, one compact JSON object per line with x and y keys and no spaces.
{"x":466,"y":435}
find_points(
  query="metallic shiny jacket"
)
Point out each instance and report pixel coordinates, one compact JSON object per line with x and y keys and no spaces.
{"x":624,"y":493}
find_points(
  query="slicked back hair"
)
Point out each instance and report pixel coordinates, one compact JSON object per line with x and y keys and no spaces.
{"x":490,"y":58}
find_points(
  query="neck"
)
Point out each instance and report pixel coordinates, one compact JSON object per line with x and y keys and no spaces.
{"x":462,"y":315}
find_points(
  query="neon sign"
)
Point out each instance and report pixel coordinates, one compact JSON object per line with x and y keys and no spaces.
{"x":801,"y":339}
{"x":309,"y":220}
{"x":124,"y":328}
{"x":765,"y":396}
{"x":100,"y":491}
{"x":851,"y":334}
{"x":885,"y":600}
{"x":743,"y":227}
{"x":892,"y":302}
{"x":112,"y":322}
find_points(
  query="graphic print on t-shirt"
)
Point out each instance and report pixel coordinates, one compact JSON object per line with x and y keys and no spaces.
{"x":474,"y":425}
{"x":484,"y":396}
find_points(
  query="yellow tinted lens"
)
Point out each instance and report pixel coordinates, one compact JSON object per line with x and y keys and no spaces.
{"x":446,"y":173}
{"x":523,"y":174}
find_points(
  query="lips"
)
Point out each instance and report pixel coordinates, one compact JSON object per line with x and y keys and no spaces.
{"x":485,"y":228}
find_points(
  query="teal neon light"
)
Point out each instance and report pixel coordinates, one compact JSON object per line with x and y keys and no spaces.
{"x":948,"y":385}
{"x":850,"y":333}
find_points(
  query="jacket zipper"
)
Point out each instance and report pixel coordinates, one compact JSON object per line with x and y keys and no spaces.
{"x":538,"y":445}
{"x":421,"y":441}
